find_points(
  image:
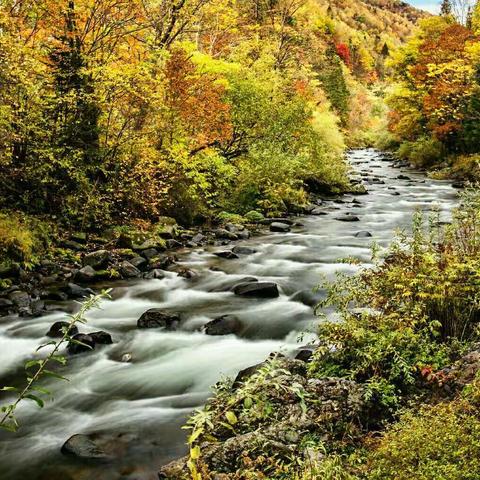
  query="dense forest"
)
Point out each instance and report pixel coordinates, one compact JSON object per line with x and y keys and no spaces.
{"x":132,"y":130}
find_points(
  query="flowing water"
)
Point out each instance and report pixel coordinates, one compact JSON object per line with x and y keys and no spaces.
{"x":143,"y":404}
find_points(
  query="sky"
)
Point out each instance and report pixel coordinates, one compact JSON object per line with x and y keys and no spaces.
{"x":432,"y":6}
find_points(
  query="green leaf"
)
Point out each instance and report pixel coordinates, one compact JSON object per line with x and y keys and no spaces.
{"x":32,"y":363}
{"x":195,"y":434}
{"x":36,"y":399}
{"x":8,"y":389}
{"x":49,"y":373}
{"x":231,"y":417}
{"x":248,"y":402}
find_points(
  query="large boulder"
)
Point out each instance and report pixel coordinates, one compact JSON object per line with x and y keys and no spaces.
{"x":257,"y":289}
{"x":97,"y":260}
{"x":57,"y":330}
{"x":158,"y":318}
{"x":279,"y":227}
{"x":20,"y":299}
{"x":127,"y":270}
{"x":76,"y":291}
{"x":80,"y":343}
{"x":101,"y":338}
{"x":224,"y":325}
{"x":84,"y":447}
{"x":226,"y":254}
{"x":85,"y":275}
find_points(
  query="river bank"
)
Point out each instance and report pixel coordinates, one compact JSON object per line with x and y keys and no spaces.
{"x":171,"y":372}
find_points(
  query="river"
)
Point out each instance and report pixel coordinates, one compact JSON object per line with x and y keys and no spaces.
{"x":140,"y":406}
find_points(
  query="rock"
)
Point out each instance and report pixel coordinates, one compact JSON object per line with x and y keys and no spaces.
{"x":244,"y":234}
{"x":76,"y":291}
{"x":19,"y":298}
{"x":127,"y":270}
{"x":81,"y":446}
{"x":72,"y":245}
{"x":257,"y":289}
{"x":80,"y":343}
{"x":279,"y":227}
{"x":226,"y":254}
{"x":458,"y":185}
{"x":158,"y":318}
{"x":85,"y":275}
{"x":198,"y":238}
{"x":149,"y":253}
{"x":55,"y":295}
{"x":363,"y":234}
{"x":101,"y":338}
{"x":157,"y":244}
{"x":347,"y":218}
{"x":124,"y":241}
{"x":225,"y":325}
{"x":80,"y":237}
{"x":127,"y":358}
{"x":163,"y":262}
{"x":318,"y":211}
{"x":224,"y":233}
{"x":56,"y":330}
{"x":166,"y":232}
{"x":5,"y":303}
{"x":403,"y":177}
{"x":173,"y":244}
{"x":97,"y":260}
{"x":154,"y":274}
{"x":241,"y":250}
{"x":37,"y":307}
{"x":139,"y":262}
{"x":187,"y":273}
{"x":305,"y":354}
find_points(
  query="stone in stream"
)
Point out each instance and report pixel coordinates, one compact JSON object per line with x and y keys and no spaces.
{"x":101,"y":338}
{"x":56,"y":330}
{"x":403,"y":177}
{"x":347,"y":218}
{"x":150,"y":253}
{"x":363,"y":234}
{"x":154,"y":274}
{"x":82,"y":446}
{"x":279,"y":227}
{"x":158,"y":318}
{"x":226,"y":254}
{"x":225,"y":234}
{"x":139,"y":262}
{"x":318,"y":211}
{"x":127,"y":270}
{"x":76,"y":291}
{"x":97,"y":260}
{"x":241,"y":250}
{"x":80,"y":343}
{"x":85,"y":275}
{"x":257,"y":289}
{"x":225,"y":325}
{"x":20,"y":299}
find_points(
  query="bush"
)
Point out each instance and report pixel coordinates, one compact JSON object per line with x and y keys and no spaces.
{"x":424,"y":152}
{"x":22,"y":238}
{"x":436,"y":443}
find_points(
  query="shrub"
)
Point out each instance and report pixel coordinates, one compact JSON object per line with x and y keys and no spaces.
{"x":22,"y":238}
{"x":424,"y":152}
{"x":436,"y":443}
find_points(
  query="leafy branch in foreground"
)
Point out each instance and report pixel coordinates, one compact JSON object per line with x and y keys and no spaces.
{"x":32,"y":391}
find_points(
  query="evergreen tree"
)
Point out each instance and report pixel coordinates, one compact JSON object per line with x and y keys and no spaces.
{"x":446,"y":8}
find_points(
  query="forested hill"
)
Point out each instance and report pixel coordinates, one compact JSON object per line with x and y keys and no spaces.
{"x":377,"y":17}
{"x":121,"y":111}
